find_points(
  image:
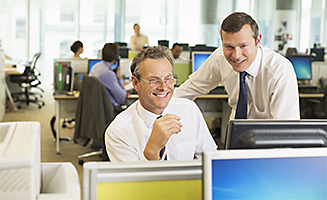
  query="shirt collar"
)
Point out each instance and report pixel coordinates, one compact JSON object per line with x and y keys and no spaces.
{"x":254,"y":67}
{"x":107,"y":63}
{"x":147,"y":116}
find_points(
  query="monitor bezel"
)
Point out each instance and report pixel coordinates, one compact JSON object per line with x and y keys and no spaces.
{"x":199,"y":52}
{"x":235,"y":154}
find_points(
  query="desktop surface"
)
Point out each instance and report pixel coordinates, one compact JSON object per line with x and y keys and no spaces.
{"x":266,"y":174}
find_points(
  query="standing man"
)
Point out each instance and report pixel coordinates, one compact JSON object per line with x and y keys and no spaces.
{"x":157,"y":126}
{"x":269,"y":81}
{"x":176,"y":50}
{"x":138,"y":41}
{"x":109,"y":75}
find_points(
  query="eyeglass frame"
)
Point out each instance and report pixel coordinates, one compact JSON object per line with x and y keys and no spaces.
{"x":160,"y":81}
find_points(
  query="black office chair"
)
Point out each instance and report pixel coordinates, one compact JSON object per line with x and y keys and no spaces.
{"x":94,"y":112}
{"x":317,"y":108}
{"x":27,"y":81}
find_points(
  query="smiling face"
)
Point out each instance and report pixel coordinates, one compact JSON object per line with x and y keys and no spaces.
{"x":154,"y":98}
{"x":240,"y":48}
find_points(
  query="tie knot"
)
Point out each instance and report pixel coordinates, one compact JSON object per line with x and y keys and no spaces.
{"x":242,"y":75}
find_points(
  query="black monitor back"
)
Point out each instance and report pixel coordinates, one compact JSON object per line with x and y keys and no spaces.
{"x":263,"y":134}
{"x":123,"y":51}
{"x":164,"y":43}
{"x":317,"y":54}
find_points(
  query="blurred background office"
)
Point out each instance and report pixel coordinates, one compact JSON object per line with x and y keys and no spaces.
{"x":50,"y":27}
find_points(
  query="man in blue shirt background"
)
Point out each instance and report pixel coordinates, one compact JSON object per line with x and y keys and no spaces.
{"x":108,"y":73}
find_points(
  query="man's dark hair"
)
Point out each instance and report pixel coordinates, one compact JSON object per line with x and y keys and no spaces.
{"x":110,"y":51}
{"x":156,"y":53}
{"x":76,"y":45}
{"x":235,"y":21}
{"x":175,"y":44}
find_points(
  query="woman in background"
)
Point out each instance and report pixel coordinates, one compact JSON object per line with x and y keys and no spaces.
{"x":77,"y":48}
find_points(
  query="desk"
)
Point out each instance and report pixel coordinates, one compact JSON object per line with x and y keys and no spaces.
{"x":65,"y":107}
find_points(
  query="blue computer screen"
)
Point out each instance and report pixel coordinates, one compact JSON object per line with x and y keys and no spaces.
{"x":92,"y":62}
{"x":270,"y":178}
{"x":198,"y":58}
{"x":302,"y":67}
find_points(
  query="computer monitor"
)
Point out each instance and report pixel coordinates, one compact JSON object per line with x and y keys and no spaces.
{"x":163,"y":43}
{"x":184,"y":46}
{"x":201,"y":47}
{"x":198,"y":57}
{"x":92,"y":62}
{"x":269,"y":133}
{"x":265,"y":174}
{"x":123,"y":51}
{"x":302,"y":66}
{"x":143,"y":180}
{"x":317,"y":54}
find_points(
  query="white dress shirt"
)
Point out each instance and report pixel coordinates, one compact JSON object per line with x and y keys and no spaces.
{"x":140,"y":40}
{"x":271,"y":84}
{"x":127,"y":136}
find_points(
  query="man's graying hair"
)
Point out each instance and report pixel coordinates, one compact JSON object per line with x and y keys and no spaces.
{"x":235,"y":21}
{"x":156,"y":53}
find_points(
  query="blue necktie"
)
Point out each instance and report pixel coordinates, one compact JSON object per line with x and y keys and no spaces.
{"x":242,"y":104}
{"x":162,"y":151}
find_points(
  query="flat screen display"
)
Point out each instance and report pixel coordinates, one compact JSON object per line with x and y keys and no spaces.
{"x":198,"y":57}
{"x":92,"y":62}
{"x":266,"y":174}
{"x":302,"y":67}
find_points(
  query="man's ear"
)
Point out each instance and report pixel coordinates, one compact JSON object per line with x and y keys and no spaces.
{"x":135,"y":83}
{"x":258,"y":39}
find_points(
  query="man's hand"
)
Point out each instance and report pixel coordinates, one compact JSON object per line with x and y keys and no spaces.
{"x":118,"y":72}
{"x":163,"y":128}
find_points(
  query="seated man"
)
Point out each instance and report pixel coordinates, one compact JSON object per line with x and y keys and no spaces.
{"x":109,"y":75}
{"x":176,"y":50}
{"x":157,"y":122}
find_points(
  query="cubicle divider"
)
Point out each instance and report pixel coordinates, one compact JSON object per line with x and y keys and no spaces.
{"x":143,"y":180}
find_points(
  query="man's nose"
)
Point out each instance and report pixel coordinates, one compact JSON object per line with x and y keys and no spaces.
{"x":237,"y":53}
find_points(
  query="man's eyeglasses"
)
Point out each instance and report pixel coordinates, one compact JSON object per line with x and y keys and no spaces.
{"x":156,"y":82}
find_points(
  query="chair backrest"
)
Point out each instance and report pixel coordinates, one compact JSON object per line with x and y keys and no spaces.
{"x":105,"y":156}
{"x":94,"y":111}
{"x":323,"y":85}
{"x":34,"y":59}
{"x":291,"y":52}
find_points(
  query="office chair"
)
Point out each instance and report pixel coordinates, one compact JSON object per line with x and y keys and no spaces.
{"x":93,"y":113}
{"x":27,"y":81}
{"x":317,"y":108}
{"x":291,"y":51}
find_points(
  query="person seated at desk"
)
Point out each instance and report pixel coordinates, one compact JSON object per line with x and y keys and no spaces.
{"x":138,"y":41}
{"x":267,"y":80}
{"x":109,"y":75}
{"x":176,"y":50}
{"x":157,"y":122}
{"x":77,"y":48}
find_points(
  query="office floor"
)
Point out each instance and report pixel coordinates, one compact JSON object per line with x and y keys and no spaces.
{"x":69,"y":150}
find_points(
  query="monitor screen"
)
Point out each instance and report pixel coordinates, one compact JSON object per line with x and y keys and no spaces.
{"x":302,"y":67}
{"x":92,"y":62}
{"x":265,"y":174}
{"x":198,"y":57}
{"x":261,"y":134}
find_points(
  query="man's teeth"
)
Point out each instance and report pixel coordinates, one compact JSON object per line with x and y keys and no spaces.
{"x":160,"y":95}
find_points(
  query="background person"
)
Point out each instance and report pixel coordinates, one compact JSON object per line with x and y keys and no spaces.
{"x":138,"y":41}
{"x":110,"y":76}
{"x":157,"y":120}
{"x":271,"y":84}
{"x":77,"y":48}
{"x":176,"y":50}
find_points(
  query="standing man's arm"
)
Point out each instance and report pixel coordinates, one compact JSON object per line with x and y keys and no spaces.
{"x":284,"y":102}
